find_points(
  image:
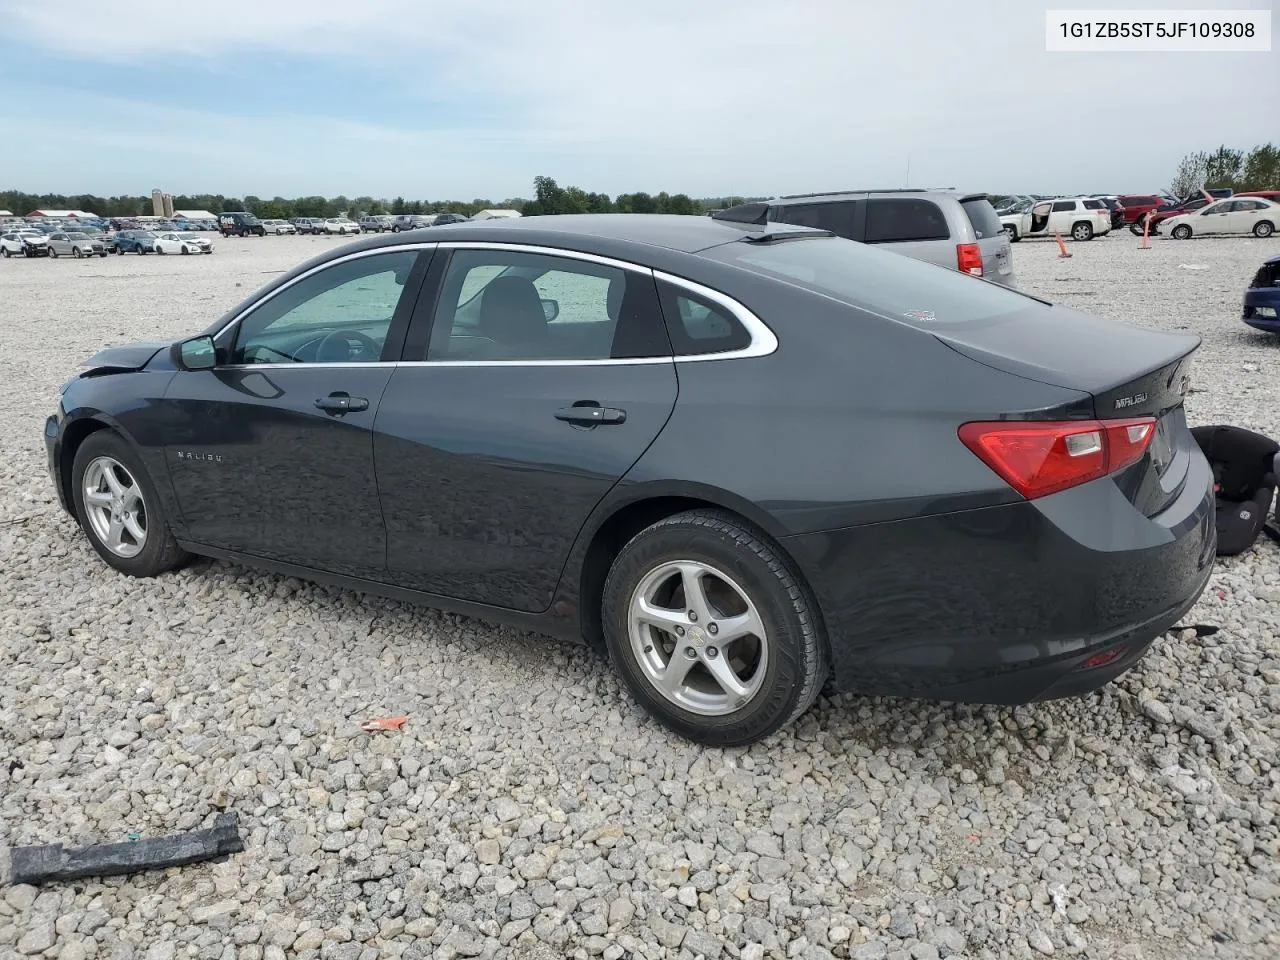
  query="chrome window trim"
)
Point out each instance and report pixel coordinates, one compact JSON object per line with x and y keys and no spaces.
{"x":763,"y":340}
{"x":359,"y":254}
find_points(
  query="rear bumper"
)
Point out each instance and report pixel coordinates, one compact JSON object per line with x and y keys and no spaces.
{"x":1010,"y":604}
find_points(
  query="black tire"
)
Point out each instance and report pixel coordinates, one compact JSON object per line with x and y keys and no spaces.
{"x":1082,"y":232}
{"x":1181,"y":232}
{"x":4,"y":252}
{"x":1263,"y":229}
{"x":796,"y":667}
{"x":1012,"y":233}
{"x":160,"y":551}
{"x":53,"y":254}
{"x":185,"y":250}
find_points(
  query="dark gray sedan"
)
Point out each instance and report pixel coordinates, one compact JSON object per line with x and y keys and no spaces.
{"x":744,"y":460}
{"x":75,"y":244}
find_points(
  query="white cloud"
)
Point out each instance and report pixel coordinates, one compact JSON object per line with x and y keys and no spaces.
{"x":702,"y":95}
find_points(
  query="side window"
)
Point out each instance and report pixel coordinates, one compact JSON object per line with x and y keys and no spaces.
{"x":507,"y":305}
{"x":838,"y":216}
{"x":339,"y":315}
{"x":698,"y":325}
{"x":905,"y":219}
{"x":1062,"y":206}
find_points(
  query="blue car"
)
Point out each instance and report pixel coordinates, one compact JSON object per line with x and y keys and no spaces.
{"x":1262,"y":299}
{"x":135,"y":241}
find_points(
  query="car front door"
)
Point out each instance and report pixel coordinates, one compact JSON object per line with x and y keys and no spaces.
{"x":534,"y":385}
{"x":1215,"y":218}
{"x":271,"y":451}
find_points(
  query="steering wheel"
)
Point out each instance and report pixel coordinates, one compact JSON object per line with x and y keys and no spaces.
{"x":358,"y":346}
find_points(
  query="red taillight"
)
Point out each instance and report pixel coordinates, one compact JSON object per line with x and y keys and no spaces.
{"x":969,"y":258}
{"x":1037,"y":458}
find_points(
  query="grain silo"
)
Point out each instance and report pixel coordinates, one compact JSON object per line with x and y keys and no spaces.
{"x":157,"y":203}
{"x":168,"y":206}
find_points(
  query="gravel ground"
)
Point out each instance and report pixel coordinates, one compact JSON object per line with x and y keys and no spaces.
{"x":527,"y":808}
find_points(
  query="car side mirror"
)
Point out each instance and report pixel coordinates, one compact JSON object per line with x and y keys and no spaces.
{"x":198,"y":353}
{"x":550,"y":309}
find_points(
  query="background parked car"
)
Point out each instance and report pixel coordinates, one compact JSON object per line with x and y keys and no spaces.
{"x":1262,"y":299}
{"x":26,"y":243}
{"x":1138,"y":205}
{"x":183,"y":243}
{"x":241,"y":224}
{"x":1114,"y":205}
{"x":309,"y":225}
{"x":373,"y":224}
{"x":1160,"y":214}
{"x":135,"y":241}
{"x":441,"y":219}
{"x":1081,"y":218}
{"x":341,"y":226}
{"x":1237,"y":215}
{"x":76,"y":244}
{"x":410,"y":221}
{"x":279,"y":227}
{"x":956,"y":230}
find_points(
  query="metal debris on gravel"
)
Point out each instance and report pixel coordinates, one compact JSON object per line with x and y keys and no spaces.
{"x":529,"y":809}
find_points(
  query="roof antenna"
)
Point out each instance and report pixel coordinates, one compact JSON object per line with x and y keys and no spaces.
{"x":907,"y":182}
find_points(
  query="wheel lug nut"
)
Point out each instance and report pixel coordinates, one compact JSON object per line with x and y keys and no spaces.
{"x":690,"y":653}
{"x":679,"y":631}
{"x":712,"y":653}
{"x":693,"y":616}
{"x":713,"y":628}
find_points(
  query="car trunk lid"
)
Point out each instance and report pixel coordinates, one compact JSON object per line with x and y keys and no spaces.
{"x":1130,"y":372}
{"x":993,"y":242}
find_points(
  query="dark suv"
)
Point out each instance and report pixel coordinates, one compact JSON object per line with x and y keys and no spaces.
{"x":241,"y":225}
{"x":956,"y":230}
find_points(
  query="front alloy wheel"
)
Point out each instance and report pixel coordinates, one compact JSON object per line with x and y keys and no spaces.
{"x":114,"y":507}
{"x":119,"y":509}
{"x":1082,"y":231}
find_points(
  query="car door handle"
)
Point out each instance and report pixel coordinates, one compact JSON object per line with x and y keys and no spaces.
{"x":591,"y":414}
{"x":341,"y":403}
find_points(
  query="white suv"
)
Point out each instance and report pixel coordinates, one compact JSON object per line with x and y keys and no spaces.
{"x":341,"y":225}
{"x":1081,"y":218}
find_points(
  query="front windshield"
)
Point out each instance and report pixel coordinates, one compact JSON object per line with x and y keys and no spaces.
{"x":888,"y":284}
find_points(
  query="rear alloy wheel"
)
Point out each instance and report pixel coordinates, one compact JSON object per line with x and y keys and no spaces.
{"x":1012,"y":233}
{"x":1181,"y":232}
{"x":1082,"y":231}
{"x":75,"y":252}
{"x":1263,"y":229}
{"x":119,"y":510}
{"x":712,"y":630}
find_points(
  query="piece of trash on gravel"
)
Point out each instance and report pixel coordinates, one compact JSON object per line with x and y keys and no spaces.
{"x":36,"y":865}
{"x":383,"y":723}
{"x":1193,"y":266}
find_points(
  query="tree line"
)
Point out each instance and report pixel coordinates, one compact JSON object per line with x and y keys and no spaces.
{"x":549,"y":198}
{"x":1258,"y":169}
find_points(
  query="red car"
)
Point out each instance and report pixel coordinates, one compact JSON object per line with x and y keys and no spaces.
{"x":1138,"y":205}
{"x":1272,"y":195}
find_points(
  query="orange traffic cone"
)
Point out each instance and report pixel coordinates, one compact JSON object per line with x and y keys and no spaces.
{"x":1146,"y":226}
{"x":1062,"y":247}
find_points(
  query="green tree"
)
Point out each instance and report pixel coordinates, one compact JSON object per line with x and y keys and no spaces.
{"x":1223,"y":168}
{"x":1190,"y":175}
{"x":1262,"y":168}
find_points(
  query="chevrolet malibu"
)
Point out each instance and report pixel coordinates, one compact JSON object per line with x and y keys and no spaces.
{"x":748,"y":462}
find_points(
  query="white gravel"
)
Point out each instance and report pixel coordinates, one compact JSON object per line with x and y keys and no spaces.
{"x":527,"y":808}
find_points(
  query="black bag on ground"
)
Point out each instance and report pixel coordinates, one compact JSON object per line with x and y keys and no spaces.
{"x":1244,"y":465}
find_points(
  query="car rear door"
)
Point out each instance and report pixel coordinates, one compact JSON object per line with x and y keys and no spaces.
{"x":271,"y":452}
{"x":844,"y":218}
{"x":526,"y":392}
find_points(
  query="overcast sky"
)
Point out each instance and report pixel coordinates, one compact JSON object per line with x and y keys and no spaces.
{"x":455,"y":99}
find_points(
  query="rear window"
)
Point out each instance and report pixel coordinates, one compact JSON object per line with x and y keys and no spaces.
{"x":905,"y":219}
{"x":982,"y":215}
{"x":836,"y":216}
{"x":881,"y":282}
{"x":1094,"y":205}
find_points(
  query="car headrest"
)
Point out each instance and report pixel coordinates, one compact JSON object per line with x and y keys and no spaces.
{"x":510,"y":309}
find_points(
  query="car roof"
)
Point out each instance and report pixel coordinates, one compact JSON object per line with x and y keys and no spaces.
{"x":831,"y":195}
{"x":594,"y":232}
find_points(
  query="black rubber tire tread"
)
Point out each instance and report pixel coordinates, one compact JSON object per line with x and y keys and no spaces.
{"x":162,"y":552}
{"x":797,"y":654}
